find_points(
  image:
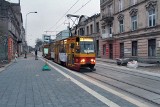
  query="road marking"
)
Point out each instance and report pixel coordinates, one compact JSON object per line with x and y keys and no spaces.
{"x":127,"y":98}
{"x":89,"y":90}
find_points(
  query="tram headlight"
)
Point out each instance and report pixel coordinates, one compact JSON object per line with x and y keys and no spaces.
{"x":93,"y":60}
{"x":83,"y":60}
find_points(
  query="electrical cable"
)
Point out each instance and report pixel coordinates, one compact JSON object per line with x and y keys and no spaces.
{"x":65,"y":14}
{"x":73,"y":13}
{"x":82,"y":6}
{"x":76,"y":11}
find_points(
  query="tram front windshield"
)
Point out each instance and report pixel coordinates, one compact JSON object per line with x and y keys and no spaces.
{"x":86,"y":47}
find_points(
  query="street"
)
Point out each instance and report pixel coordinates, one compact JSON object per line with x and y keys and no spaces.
{"x":24,"y":84}
{"x":93,"y":53}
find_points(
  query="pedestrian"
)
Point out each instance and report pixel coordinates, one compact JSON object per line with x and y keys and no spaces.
{"x":15,"y":56}
{"x":25,"y":54}
{"x":36,"y":54}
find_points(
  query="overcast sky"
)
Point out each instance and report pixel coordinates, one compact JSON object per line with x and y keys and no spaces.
{"x":50,"y":12}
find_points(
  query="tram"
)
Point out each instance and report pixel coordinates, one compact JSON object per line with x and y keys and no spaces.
{"x":75,"y":52}
{"x":46,"y":47}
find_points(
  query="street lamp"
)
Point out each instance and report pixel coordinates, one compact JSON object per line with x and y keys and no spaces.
{"x":26,"y":32}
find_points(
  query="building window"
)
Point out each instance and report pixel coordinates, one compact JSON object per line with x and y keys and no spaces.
{"x":134,"y":22}
{"x":110,"y":10}
{"x":134,"y":48}
{"x":103,"y":30}
{"x":104,"y":49}
{"x":120,"y":5}
{"x":81,"y":31}
{"x":121,"y":26}
{"x":110,"y":29}
{"x":91,"y":29}
{"x":87,"y":30}
{"x":97,"y":27}
{"x":151,"y":18}
{"x":152,"y":47}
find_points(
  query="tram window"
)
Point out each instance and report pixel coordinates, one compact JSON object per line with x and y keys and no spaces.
{"x":87,"y":47}
{"x":78,"y":49}
{"x":77,"y":39}
{"x":72,"y":45}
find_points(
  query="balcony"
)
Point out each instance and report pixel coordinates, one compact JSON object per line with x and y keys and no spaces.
{"x":19,"y":40}
{"x":106,"y":36}
{"x":107,"y":18}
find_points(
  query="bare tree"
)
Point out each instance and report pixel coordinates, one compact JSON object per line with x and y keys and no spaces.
{"x":39,"y":42}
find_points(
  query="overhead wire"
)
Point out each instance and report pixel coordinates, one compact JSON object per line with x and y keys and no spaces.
{"x":82,"y":6}
{"x":65,"y":14}
{"x":73,"y":13}
{"x":76,"y":11}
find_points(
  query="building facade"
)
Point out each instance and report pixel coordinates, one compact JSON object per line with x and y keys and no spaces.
{"x":62,"y":35}
{"x":89,"y":26}
{"x":135,"y":29}
{"x":108,"y":45}
{"x":10,"y":27}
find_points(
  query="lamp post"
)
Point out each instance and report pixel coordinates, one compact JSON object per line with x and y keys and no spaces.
{"x":26,"y":33}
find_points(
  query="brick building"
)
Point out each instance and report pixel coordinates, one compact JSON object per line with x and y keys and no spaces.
{"x":11,"y":25}
{"x":135,"y":30}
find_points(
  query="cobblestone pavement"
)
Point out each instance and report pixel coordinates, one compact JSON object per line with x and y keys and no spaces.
{"x":24,"y":84}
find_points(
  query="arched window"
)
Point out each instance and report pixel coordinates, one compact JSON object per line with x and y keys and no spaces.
{"x":151,"y":8}
{"x":133,"y":14}
{"x":121,"y":22}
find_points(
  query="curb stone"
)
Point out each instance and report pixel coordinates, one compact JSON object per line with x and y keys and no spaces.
{"x":5,"y":66}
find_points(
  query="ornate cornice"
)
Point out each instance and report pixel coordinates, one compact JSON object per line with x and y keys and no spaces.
{"x":120,"y":17}
{"x":151,"y":5}
{"x":133,"y":12}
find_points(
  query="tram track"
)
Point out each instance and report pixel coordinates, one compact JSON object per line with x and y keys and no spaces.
{"x":131,"y":73}
{"x":140,"y":84}
{"x":110,"y":83}
{"x":103,"y":78}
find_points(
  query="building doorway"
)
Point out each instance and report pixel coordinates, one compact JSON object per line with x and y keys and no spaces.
{"x":111,"y":51}
{"x":121,"y":50}
{"x":97,"y":48}
{"x":152,"y":47}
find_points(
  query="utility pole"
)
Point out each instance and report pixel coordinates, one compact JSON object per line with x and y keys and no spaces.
{"x":26,"y":34}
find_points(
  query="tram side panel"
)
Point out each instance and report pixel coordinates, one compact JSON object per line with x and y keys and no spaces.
{"x":52,"y":52}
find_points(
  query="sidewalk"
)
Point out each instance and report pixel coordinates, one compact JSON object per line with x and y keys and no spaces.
{"x":4,"y":66}
{"x":141,"y":66}
{"x":24,"y":84}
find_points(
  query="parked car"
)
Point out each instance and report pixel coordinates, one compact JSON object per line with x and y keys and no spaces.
{"x":123,"y":61}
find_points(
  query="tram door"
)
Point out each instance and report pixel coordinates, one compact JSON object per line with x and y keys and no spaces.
{"x":70,"y":57}
{"x":72,"y":53}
